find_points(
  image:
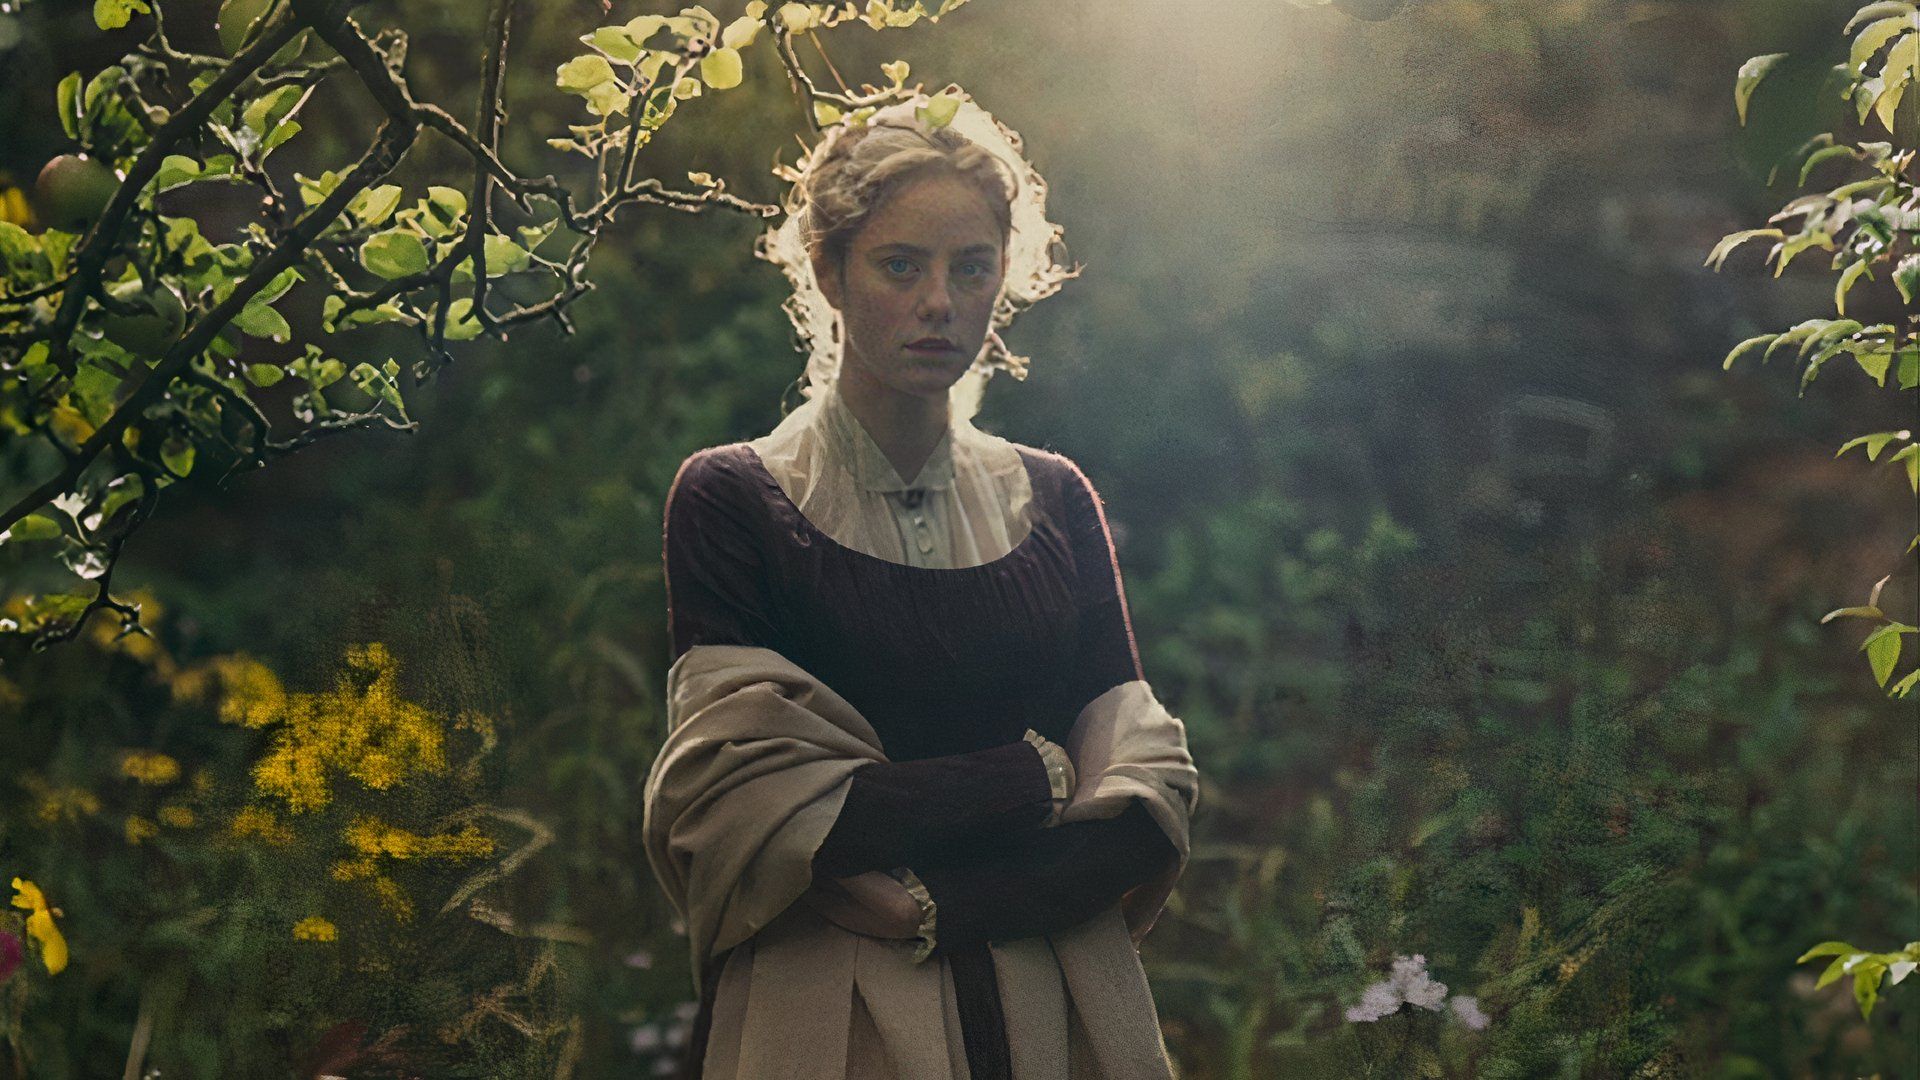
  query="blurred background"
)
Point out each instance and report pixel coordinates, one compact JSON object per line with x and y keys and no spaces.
{"x":1489,"y":600}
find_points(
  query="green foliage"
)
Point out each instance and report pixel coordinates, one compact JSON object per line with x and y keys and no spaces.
{"x":1868,"y":223}
{"x":103,"y":404}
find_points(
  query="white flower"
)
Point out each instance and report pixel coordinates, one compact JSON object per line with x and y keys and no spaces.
{"x":1409,"y":984}
{"x":1377,"y":1001}
{"x":1467,"y":1011}
{"x":645,"y":1037}
{"x":1411,"y":981}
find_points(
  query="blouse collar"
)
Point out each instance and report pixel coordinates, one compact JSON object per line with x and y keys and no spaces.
{"x":870,"y":466}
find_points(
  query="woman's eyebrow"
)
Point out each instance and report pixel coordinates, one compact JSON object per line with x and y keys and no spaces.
{"x":911,"y":249}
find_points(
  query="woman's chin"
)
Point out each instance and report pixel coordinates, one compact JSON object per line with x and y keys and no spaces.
{"x":929,"y":375}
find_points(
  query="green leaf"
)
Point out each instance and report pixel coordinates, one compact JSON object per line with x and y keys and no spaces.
{"x":1795,"y":245}
{"x":1795,"y":335}
{"x":1874,"y":443}
{"x":1743,"y":348}
{"x":939,"y":110}
{"x":1874,"y":362}
{"x":283,"y":131}
{"x":394,"y":254}
{"x":607,"y":99}
{"x":1826,"y":334}
{"x":1863,"y":612}
{"x":1902,"y":61}
{"x":642,"y":27}
{"x":277,"y":288}
{"x":261,"y":320}
{"x":461,"y":324}
{"x":448,"y":204}
{"x":1847,"y":277}
{"x":1721,"y":250}
{"x":721,"y":68}
{"x":1883,"y":651}
{"x":503,"y":256}
{"x":1876,"y":35}
{"x":177,"y":455}
{"x":1880,"y":10}
{"x":315,"y":191}
{"x":1906,"y":277}
{"x":1902,"y":689}
{"x":583,"y":73}
{"x":740,"y":33}
{"x":375,"y":204}
{"x":1866,"y":986}
{"x":1834,"y":970}
{"x":176,"y":170}
{"x":532,"y":236}
{"x":265,"y":374}
{"x":114,"y":14}
{"x":1815,"y":159}
{"x":68,"y":99}
{"x":613,"y":41}
{"x":35,"y":526}
{"x":1909,"y":374}
{"x":1751,"y":73}
{"x":1911,"y":455}
{"x":380,"y":384}
{"x":267,"y":110}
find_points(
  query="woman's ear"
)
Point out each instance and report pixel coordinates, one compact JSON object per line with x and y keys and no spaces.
{"x":826,"y":274}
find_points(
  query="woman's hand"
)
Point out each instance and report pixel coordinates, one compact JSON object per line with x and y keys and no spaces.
{"x":872,"y":904}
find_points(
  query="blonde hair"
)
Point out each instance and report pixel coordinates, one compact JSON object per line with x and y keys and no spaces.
{"x":843,"y":179}
{"x":865,"y":166}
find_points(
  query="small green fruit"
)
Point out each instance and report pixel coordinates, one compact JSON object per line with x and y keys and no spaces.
{"x":72,"y":191}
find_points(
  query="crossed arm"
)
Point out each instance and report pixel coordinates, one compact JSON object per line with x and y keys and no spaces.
{"x":967,"y":824}
{"x":968,"y":827}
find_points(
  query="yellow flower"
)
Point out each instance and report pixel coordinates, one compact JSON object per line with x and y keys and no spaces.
{"x":149,"y":767}
{"x":315,"y":928}
{"x":180,"y":817}
{"x":362,"y":727}
{"x":139,"y":829}
{"x":53,"y":947}
{"x":260,"y":822}
{"x":56,"y":804}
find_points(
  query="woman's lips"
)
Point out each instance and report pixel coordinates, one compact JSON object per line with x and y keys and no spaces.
{"x":931,"y":349}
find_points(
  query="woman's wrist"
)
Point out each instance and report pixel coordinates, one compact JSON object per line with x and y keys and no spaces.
{"x":1061,"y":778}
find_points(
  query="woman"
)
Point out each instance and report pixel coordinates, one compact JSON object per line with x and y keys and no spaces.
{"x":917,"y":805}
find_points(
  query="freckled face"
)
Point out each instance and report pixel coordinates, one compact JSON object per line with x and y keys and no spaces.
{"x":927,"y":265}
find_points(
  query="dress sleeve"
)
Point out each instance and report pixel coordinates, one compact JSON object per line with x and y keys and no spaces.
{"x":1105,"y":654}
{"x":898,"y":812}
{"x":1045,"y":880}
{"x":716,"y":575}
{"x":1042,"y":881}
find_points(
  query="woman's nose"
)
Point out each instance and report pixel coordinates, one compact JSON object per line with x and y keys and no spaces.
{"x":936,"y":300}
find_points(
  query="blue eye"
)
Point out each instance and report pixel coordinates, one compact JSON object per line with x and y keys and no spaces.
{"x":980,"y":269}
{"x":905,"y":265}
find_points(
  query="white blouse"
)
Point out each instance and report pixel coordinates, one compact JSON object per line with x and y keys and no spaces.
{"x":969,"y":505}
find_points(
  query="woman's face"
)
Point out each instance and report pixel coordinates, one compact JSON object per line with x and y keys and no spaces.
{"x":917,"y":287}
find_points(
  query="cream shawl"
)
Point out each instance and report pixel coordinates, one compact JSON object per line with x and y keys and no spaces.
{"x":741,"y":796}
